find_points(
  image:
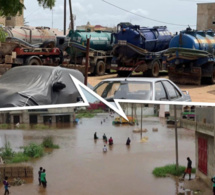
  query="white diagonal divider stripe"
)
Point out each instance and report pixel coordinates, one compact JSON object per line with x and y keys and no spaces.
{"x":116,"y":108}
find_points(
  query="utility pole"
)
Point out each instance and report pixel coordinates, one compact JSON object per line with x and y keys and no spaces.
{"x":71,"y":15}
{"x":141,"y":123}
{"x":87,"y":60}
{"x":64,"y":17}
{"x":176,"y":137}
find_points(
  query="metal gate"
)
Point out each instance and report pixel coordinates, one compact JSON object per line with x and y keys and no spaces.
{"x":202,"y":153}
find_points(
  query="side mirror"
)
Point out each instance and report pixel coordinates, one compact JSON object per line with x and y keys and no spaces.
{"x":79,"y":99}
{"x":58,"y":86}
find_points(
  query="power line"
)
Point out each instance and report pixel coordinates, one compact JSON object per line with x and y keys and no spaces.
{"x":144,"y":16}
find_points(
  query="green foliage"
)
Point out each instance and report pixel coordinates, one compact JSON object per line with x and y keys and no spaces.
{"x":11,"y":7}
{"x":33,"y":150}
{"x":171,"y":170}
{"x":19,"y":157}
{"x":3,"y":35}
{"x":14,"y":7}
{"x":88,"y":113}
{"x":48,"y":143}
{"x":47,"y":3}
{"x":4,"y":126}
{"x":98,"y":111}
{"x":7,"y":151}
{"x":85,"y":115}
{"x":41,"y":126}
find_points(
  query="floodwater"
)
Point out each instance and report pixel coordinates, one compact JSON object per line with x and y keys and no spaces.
{"x":80,"y":166}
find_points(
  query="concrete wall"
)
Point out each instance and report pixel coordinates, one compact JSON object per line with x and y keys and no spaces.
{"x":206,"y":16}
{"x":163,"y":110}
{"x":188,"y":124}
{"x":178,"y":111}
{"x":205,"y":115}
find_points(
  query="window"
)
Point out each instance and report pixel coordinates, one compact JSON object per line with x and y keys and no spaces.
{"x":171,"y":90}
{"x":100,"y":89}
{"x":160,"y":93}
{"x":125,"y":90}
{"x":113,"y":89}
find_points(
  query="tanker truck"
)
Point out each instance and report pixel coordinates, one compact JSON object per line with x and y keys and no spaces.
{"x":139,"y":49}
{"x":191,"y":57}
{"x":99,"y":55}
{"x":32,"y":35}
{"x":28,"y":45}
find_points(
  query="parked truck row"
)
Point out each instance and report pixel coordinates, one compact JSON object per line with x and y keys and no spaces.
{"x":188,"y":56}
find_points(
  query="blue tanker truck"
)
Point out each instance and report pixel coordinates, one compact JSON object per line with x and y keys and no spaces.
{"x":139,"y":49}
{"x":190,"y":57}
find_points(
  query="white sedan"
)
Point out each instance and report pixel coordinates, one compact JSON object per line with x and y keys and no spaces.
{"x":140,"y":89}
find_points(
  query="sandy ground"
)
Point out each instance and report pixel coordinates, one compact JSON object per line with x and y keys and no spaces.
{"x":202,"y":93}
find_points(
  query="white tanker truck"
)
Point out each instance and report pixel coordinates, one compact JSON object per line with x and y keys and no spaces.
{"x":32,"y":35}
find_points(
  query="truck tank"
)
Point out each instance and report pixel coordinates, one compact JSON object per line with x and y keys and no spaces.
{"x":197,"y":40}
{"x":151,"y":39}
{"x":98,"y":40}
{"x":31,"y":35}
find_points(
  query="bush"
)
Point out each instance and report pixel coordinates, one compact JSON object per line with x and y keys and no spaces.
{"x":40,"y":126}
{"x":33,"y":150}
{"x":170,"y":169}
{"x":5,"y":126}
{"x":7,"y":151}
{"x":85,"y":115}
{"x":48,"y":143}
{"x":19,"y":157}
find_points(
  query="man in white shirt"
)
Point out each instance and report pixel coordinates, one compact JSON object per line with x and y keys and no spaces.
{"x":105,"y":148}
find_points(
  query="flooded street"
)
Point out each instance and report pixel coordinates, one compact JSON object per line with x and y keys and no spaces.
{"x":80,"y":166}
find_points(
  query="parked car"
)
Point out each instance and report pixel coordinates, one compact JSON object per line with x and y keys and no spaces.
{"x":140,"y":89}
{"x":38,"y":85}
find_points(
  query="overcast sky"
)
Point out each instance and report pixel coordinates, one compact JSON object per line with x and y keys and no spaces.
{"x":179,"y":12}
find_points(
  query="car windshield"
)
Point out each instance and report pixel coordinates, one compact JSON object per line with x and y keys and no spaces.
{"x":138,"y":90}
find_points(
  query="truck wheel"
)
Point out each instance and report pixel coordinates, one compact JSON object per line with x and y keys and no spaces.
{"x":100,"y":68}
{"x":211,"y":80}
{"x":33,"y":61}
{"x":123,"y":73}
{"x":154,"y":72}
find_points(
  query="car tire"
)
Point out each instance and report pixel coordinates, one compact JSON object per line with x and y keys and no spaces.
{"x":100,"y":68}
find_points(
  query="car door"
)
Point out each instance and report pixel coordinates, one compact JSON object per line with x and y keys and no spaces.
{"x":172,"y":92}
{"x":160,"y":92}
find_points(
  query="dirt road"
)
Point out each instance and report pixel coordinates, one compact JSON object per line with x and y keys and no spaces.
{"x":202,"y":93}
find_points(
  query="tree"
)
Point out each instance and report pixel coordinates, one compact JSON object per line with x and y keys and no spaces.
{"x":14,"y":7}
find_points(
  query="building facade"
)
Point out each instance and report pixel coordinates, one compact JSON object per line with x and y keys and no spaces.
{"x":92,"y":28}
{"x":205,"y":148}
{"x":39,"y":116}
{"x":204,"y":126}
{"x":206,"y":16}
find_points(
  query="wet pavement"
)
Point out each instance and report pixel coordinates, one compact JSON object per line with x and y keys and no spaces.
{"x":80,"y":166}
